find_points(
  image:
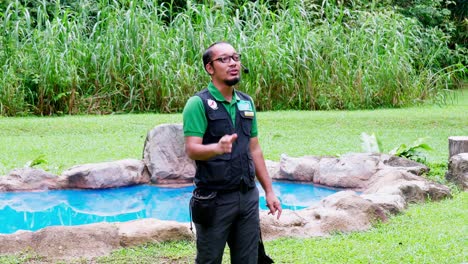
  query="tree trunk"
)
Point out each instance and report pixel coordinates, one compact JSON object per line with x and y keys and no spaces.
{"x":458,"y":145}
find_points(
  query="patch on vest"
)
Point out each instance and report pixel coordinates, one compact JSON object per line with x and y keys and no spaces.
{"x":212,"y":104}
{"x":249,"y":113}
{"x":244,"y":105}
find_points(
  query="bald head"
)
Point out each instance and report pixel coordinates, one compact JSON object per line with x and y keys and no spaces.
{"x":222,"y":62}
{"x":208,"y":54}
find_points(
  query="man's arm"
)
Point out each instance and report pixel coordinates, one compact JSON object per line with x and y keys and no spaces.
{"x":196,"y":150}
{"x":262,"y":175}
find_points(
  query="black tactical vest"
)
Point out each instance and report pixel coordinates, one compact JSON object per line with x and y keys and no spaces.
{"x":226,"y":171}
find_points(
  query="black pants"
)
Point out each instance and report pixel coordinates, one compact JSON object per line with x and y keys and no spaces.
{"x":236,"y":222}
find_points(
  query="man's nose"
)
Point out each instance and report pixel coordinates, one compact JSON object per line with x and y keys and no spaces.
{"x":232,"y":61}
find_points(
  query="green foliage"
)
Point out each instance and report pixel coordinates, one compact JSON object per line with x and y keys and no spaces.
{"x":102,"y":56}
{"x":449,"y":16}
{"x":429,"y":12}
{"x":23,"y":257}
{"x":37,"y":161}
{"x":412,"y":151}
{"x":437,"y":173}
{"x":370,"y":143}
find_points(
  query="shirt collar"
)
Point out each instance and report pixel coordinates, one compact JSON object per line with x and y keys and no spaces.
{"x":218,"y":96}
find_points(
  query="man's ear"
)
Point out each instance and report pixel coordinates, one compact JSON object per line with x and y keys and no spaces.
{"x":209,"y":68}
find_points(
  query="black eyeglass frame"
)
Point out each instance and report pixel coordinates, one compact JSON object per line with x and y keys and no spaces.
{"x":226,"y":59}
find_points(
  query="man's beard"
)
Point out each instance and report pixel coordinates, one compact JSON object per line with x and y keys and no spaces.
{"x":232,"y":81}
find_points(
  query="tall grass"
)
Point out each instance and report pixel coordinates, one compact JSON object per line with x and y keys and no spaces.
{"x":106,"y":56}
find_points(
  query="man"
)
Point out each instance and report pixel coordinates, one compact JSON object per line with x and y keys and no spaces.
{"x":220,"y":132}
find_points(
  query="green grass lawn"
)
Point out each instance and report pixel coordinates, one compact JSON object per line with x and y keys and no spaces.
{"x":71,"y":140}
{"x":426,"y":233}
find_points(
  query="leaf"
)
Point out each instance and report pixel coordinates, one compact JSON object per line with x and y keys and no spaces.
{"x":369,"y":143}
{"x":412,"y":151}
{"x":425,"y":146}
{"x":398,"y":151}
{"x":37,"y":161}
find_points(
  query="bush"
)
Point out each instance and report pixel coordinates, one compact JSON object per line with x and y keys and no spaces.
{"x":106,"y":56}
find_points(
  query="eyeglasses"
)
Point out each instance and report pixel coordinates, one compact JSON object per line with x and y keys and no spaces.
{"x":226,"y":59}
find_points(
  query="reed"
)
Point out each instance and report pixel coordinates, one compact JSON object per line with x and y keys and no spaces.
{"x":103,"y":56}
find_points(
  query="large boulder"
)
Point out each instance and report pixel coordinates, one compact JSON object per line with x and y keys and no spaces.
{"x":87,"y":241}
{"x":458,"y":170}
{"x":347,"y":171}
{"x":28,"y":179}
{"x":105,"y":175}
{"x":390,"y":203}
{"x":358,"y":170}
{"x":352,"y":170}
{"x":59,"y":242}
{"x":142,"y":231}
{"x":344,"y":211}
{"x":412,"y":188}
{"x":297,"y":169}
{"x":164,"y":155}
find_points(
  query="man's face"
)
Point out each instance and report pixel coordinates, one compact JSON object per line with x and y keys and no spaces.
{"x":224,"y":67}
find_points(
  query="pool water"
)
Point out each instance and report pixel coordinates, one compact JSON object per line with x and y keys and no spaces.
{"x":35,"y":210}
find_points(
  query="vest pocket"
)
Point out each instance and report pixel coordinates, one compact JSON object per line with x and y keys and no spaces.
{"x":247,"y":125}
{"x":203,"y":206}
{"x":251,"y":168}
{"x":218,"y":125}
{"x":217,"y":170}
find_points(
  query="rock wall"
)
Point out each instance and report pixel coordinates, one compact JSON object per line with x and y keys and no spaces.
{"x":87,"y":241}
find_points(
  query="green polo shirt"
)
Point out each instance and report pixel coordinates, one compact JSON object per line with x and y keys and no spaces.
{"x":194,"y":117}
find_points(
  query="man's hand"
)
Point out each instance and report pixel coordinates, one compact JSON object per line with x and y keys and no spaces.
{"x":225,"y":143}
{"x":273,"y":204}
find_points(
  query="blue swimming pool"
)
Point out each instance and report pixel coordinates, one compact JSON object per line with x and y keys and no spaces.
{"x":35,"y":210}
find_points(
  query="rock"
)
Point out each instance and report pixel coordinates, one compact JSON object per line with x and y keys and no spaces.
{"x":273,"y":169}
{"x":59,"y":242}
{"x":353,"y":170}
{"x":403,"y":164}
{"x":458,"y":170}
{"x":142,"y":231}
{"x":105,"y":175}
{"x":88,"y":241}
{"x":389,"y":176}
{"x":342,"y":212}
{"x":17,"y":242}
{"x":411,"y":187}
{"x":361,"y":210}
{"x":28,"y":179}
{"x":297,"y":169}
{"x":348,"y":171}
{"x":164,"y":155}
{"x":301,"y":224}
{"x":390,"y":203}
